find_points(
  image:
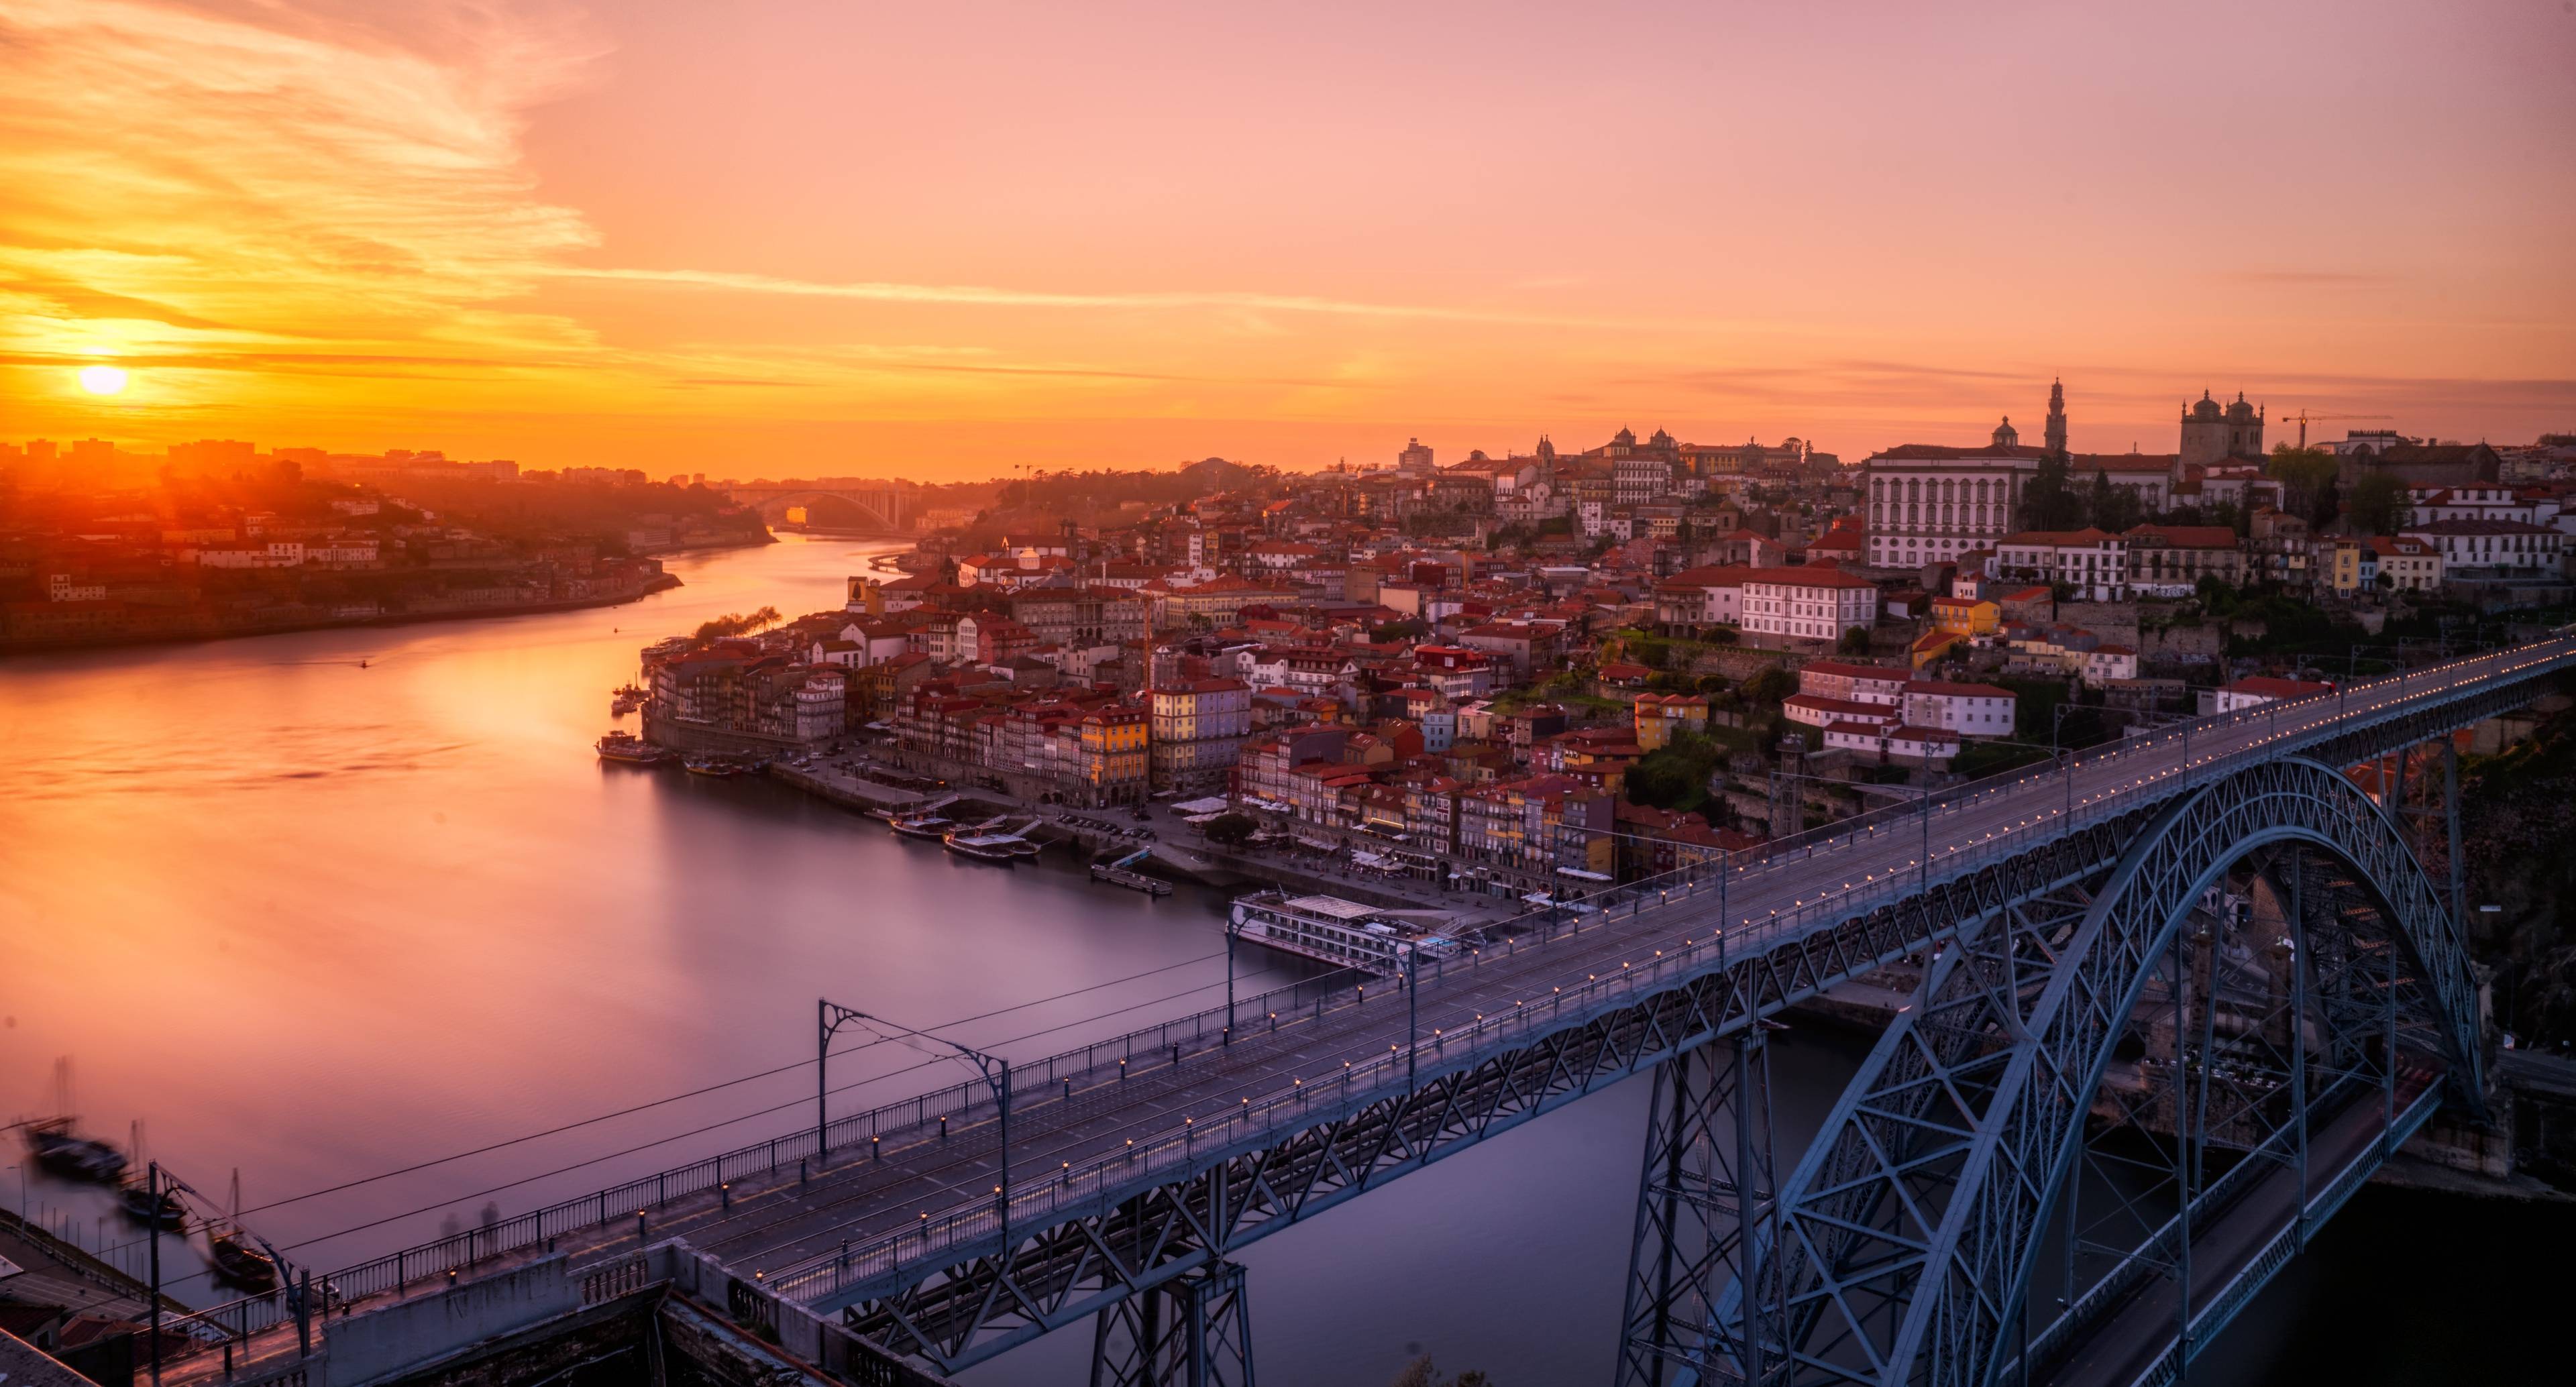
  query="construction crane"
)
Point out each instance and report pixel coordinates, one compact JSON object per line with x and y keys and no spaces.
{"x":2306,"y":418}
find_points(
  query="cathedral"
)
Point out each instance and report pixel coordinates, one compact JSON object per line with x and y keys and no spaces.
{"x":2213,"y":433}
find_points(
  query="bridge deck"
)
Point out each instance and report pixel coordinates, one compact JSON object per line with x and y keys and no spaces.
{"x":1093,"y":1133}
{"x":2137,"y":1343}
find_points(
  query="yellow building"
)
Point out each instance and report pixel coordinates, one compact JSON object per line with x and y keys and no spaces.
{"x":1115,"y":755}
{"x":1934,"y":644}
{"x":2345,"y":573}
{"x":1661,"y":715}
{"x":1966,"y":616}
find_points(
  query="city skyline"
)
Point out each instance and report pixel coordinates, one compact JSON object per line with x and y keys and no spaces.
{"x":777,"y":245}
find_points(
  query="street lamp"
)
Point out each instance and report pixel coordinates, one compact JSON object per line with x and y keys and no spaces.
{"x":831,"y":1016}
{"x":1922,"y":796}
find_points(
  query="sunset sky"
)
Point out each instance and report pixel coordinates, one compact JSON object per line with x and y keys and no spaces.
{"x":938,"y":240}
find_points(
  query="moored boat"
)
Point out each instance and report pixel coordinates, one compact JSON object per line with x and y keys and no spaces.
{"x":240,"y":1263}
{"x":136,"y":1203}
{"x":630,"y":749}
{"x":920,"y":825}
{"x":712,"y":765}
{"x":990,"y":847}
{"x":60,"y":1151}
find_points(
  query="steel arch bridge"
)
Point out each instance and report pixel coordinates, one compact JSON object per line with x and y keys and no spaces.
{"x":1903,"y":1247}
{"x":2182,"y":996}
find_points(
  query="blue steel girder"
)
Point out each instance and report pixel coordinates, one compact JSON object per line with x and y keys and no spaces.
{"x":1907,"y":1229}
{"x":1002,"y":1295}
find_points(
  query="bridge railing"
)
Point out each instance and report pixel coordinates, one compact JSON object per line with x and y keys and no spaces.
{"x":1694,"y":885}
{"x":1255,"y":1121}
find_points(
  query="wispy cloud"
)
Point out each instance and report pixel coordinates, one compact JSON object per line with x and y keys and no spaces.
{"x":2321,"y":279}
{"x":986,"y":296}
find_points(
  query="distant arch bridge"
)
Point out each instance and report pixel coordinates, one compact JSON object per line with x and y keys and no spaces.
{"x":880,"y":506}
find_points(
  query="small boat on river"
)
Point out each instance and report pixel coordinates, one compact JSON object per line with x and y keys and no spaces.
{"x":713,"y":765}
{"x":990,"y":847}
{"x":629,"y":749}
{"x":921,"y":825}
{"x":61,"y":1151}
{"x":240,"y":1263}
{"x":136,"y":1202}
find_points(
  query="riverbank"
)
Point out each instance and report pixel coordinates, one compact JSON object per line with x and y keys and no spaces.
{"x":108,"y":640}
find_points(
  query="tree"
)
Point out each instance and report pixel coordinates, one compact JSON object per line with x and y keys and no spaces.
{"x":1675,"y":775}
{"x":1855,"y":641}
{"x":1420,"y":1373}
{"x":2112,"y":508}
{"x":1769,"y":684}
{"x":1409,"y":629}
{"x":1230,"y":830}
{"x":2049,"y":500}
{"x":2327,"y":508}
{"x":2379,"y":504}
{"x":2304,"y":473}
{"x":736,"y":624}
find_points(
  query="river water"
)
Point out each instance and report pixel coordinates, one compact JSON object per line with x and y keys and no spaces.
{"x":316,"y":921}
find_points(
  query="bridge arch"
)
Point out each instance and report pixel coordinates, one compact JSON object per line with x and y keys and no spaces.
{"x":1905,"y":1240}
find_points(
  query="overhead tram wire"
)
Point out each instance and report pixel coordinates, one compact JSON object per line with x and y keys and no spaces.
{"x":764,"y":1112}
{"x":701,"y":1092}
{"x":712,"y":1088}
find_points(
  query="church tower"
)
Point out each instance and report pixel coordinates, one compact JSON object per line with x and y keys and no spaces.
{"x":2056,"y":434}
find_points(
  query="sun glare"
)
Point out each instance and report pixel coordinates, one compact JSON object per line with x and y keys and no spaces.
{"x":102,"y":380}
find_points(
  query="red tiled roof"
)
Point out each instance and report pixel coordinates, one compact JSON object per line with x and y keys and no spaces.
{"x":1841,"y":670}
{"x":1811,"y":576}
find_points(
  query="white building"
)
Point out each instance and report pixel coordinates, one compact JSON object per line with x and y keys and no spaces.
{"x":2106,"y":663}
{"x":1808,"y":604}
{"x":2410,"y":564}
{"x":2095,"y":563}
{"x":2490,"y":545}
{"x":1927,"y":503}
{"x":1894,"y":742}
{"x":1971,"y":710}
{"x":1817,"y":710}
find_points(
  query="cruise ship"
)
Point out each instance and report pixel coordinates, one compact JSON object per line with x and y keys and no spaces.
{"x":1332,"y":930}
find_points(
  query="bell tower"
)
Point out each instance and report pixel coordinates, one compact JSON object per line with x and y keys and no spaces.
{"x":2055,"y":436}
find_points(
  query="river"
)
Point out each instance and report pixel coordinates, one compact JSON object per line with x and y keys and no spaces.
{"x":315,"y":921}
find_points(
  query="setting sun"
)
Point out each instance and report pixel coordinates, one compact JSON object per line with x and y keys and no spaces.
{"x":102,"y":380}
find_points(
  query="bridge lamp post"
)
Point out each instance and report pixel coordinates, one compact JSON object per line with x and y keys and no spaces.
{"x":1923,"y":797}
{"x":830,"y":1016}
{"x":1412,"y":1013}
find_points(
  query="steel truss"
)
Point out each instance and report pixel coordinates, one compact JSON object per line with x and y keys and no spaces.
{"x":1002,"y":1293}
{"x":1705,"y":1217}
{"x":1189,"y":1331}
{"x":1910,"y":1230}
{"x":1047,"y":1278}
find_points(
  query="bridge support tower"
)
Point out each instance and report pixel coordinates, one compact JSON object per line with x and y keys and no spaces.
{"x":1192,"y":1331}
{"x":1705,"y":1217}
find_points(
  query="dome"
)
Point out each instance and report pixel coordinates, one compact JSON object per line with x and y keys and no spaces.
{"x":2206,"y":409}
{"x":2240,"y":412}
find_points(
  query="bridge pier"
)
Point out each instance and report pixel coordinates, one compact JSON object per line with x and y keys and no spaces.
{"x":1194,"y":1330}
{"x":1705,"y":1217}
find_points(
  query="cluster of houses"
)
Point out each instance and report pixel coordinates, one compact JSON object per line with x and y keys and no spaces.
{"x":1434,"y":659}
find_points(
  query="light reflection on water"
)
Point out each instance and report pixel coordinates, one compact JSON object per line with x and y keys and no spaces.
{"x":317,"y":921}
